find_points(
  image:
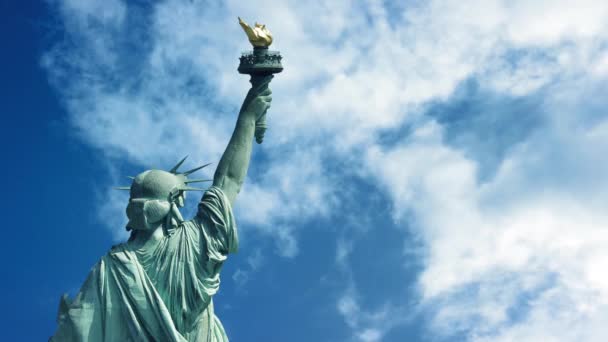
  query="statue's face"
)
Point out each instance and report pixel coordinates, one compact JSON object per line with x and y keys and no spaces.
{"x":145,"y":214}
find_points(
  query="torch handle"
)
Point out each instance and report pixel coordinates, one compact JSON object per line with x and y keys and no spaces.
{"x":259,"y":83}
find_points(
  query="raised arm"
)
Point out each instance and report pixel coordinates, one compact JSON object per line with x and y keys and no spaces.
{"x":232,"y":168}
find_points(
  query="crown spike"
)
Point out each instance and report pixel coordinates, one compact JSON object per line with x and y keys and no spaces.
{"x":195,"y":169}
{"x":122,"y":188}
{"x":174,"y":169}
{"x":197,"y":180}
{"x":130,"y":177}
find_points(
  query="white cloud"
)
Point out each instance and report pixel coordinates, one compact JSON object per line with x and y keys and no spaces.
{"x":253,"y":262}
{"x":543,"y":23}
{"x":355,"y":318}
{"x":109,"y":12}
{"x":367,"y":324}
{"x":516,"y":245}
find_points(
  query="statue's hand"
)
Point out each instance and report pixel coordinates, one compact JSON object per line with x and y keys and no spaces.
{"x":259,"y":105}
{"x":258,"y":108}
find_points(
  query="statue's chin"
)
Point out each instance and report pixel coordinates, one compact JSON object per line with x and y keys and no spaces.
{"x":140,"y":225}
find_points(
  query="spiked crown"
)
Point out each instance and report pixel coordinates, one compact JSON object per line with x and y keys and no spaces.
{"x":163,"y":185}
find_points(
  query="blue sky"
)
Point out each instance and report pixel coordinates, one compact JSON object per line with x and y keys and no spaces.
{"x":433,"y":170}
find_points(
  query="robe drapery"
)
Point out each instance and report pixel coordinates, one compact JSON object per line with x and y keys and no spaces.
{"x":160,"y":294}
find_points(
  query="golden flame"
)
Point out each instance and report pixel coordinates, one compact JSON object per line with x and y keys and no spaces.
{"x":259,"y":36}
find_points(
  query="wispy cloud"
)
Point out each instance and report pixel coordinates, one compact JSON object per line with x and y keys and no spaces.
{"x":367,"y":324}
{"x":253,"y":262}
{"x":519,"y":248}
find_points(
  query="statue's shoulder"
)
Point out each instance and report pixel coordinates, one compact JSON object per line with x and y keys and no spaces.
{"x":121,"y":247}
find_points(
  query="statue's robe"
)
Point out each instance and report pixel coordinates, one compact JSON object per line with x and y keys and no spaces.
{"x":161,"y":294}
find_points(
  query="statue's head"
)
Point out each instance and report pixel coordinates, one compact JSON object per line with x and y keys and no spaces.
{"x":156,"y":195}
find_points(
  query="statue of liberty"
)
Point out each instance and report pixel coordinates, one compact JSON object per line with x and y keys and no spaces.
{"x":159,"y":285}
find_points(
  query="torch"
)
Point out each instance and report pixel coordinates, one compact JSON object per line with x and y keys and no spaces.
{"x":260,"y":64}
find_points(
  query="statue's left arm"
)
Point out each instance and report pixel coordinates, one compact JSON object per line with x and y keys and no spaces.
{"x":233,"y":165}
